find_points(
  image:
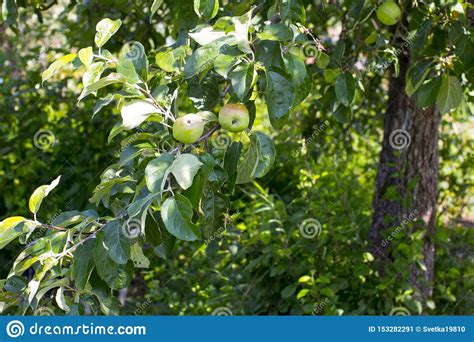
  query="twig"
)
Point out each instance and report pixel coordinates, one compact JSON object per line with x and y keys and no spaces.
{"x":204,"y":137}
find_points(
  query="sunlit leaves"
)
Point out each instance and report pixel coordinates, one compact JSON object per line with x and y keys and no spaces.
{"x":177,"y":213}
{"x":206,"y":9}
{"x":135,"y":112}
{"x":276,"y":32}
{"x":184,"y":168}
{"x":157,"y":171}
{"x":40,"y":193}
{"x":56,"y":65}
{"x":106,"y":28}
{"x":86,"y":55}
{"x":11,"y":228}
{"x":112,"y":78}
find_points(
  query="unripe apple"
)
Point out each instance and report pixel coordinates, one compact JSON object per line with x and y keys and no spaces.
{"x":389,"y":13}
{"x":234,"y":117}
{"x":188,"y":128}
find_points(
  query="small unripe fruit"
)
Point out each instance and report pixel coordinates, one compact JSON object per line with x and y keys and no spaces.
{"x":188,"y":128}
{"x":389,"y":13}
{"x":234,"y":117}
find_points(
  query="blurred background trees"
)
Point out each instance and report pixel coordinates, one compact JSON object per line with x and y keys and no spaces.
{"x":361,"y":256}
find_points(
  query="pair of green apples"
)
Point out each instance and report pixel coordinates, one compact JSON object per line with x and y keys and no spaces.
{"x":233,"y":117}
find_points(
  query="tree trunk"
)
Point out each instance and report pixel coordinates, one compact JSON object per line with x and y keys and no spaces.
{"x":407,"y":179}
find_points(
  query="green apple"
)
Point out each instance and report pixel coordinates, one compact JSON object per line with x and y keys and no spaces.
{"x":234,"y":117}
{"x":188,"y":128}
{"x":389,"y":13}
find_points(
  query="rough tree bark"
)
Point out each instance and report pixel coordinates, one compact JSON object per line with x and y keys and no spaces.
{"x":407,"y":179}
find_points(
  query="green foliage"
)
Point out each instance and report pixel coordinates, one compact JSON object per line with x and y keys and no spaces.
{"x":164,"y":203}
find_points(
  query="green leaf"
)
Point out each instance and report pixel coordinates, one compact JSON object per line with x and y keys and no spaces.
{"x":133,"y":56}
{"x":231,"y":160}
{"x":112,"y":78}
{"x":139,"y":259}
{"x":106,"y":28}
{"x":156,"y":172}
{"x":243,"y":78}
{"x":68,"y":218}
{"x":200,"y":60}
{"x":115,"y":241}
{"x":276,"y":32}
{"x":40,"y":193}
{"x":126,"y":68}
{"x":176,"y":213}
{"x":206,"y":9}
{"x":115,"y":275}
{"x":345,"y":88}
{"x":184,"y":169}
{"x":56,"y":65}
{"x":450,"y":94}
{"x":10,"y":229}
{"x":241,"y":29}
{"x":155,"y":6}
{"x":416,"y":75}
{"x":83,"y":264}
{"x":86,"y":55}
{"x":213,"y":207}
{"x":135,"y":112}
{"x":93,"y":73}
{"x":295,"y":66}
{"x":171,"y":60}
{"x":279,"y":96}
{"x":206,"y":35}
{"x":292,"y":10}
{"x":427,"y":94}
{"x":266,"y":154}
{"x":257,"y":160}
{"x":61,"y":300}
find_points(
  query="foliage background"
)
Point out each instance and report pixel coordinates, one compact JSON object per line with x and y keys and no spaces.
{"x":261,"y":264}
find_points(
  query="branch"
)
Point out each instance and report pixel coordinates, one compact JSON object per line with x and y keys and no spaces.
{"x":204,"y":137}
